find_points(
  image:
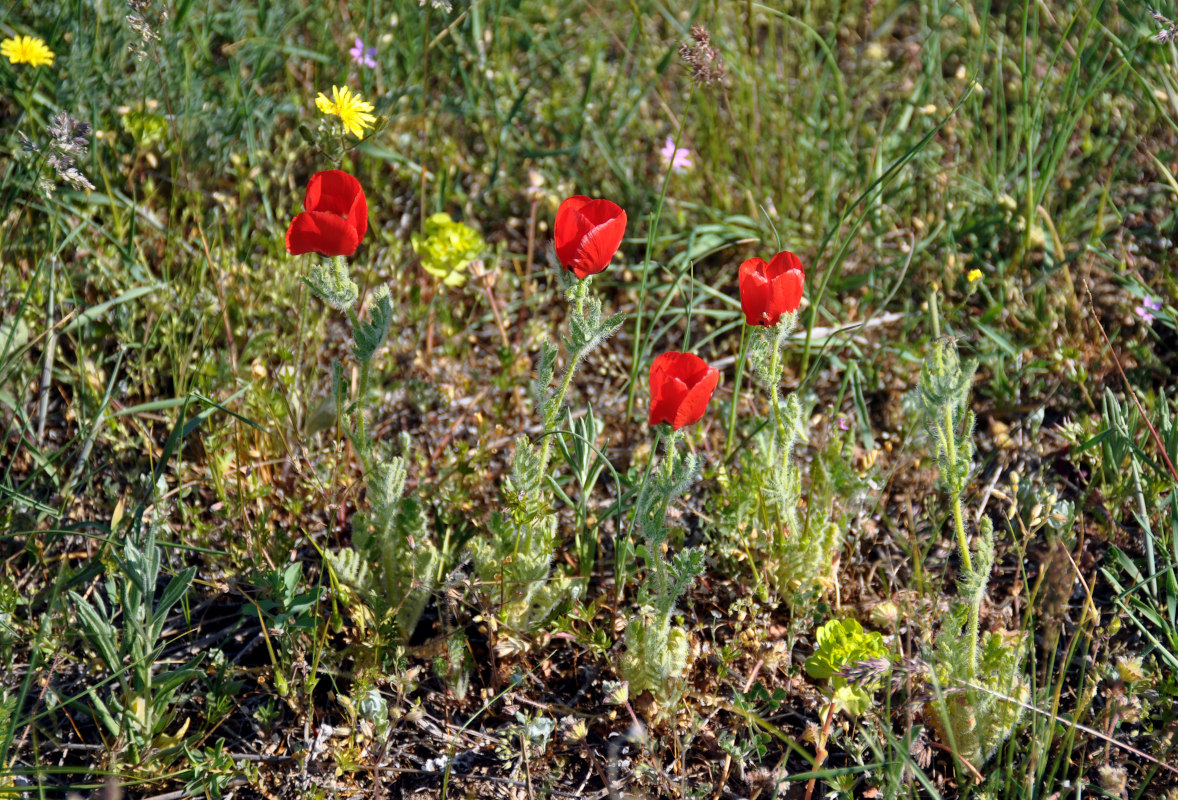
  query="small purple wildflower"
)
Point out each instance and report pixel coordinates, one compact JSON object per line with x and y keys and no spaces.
{"x":844,"y":423}
{"x":363,"y":56}
{"x":1147,"y":308}
{"x":679,"y":159}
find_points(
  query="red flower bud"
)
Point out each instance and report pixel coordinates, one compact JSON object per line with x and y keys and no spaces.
{"x":588,"y":233}
{"x":768,"y":290}
{"x":336,"y":217}
{"x":681,"y":384}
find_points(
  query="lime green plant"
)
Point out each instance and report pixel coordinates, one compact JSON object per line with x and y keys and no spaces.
{"x":852,"y":659}
{"x":978,"y":719}
{"x":447,"y":248}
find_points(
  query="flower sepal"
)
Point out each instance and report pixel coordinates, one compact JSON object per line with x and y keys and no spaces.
{"x":587,"y":328}
{"x":333,"y":284}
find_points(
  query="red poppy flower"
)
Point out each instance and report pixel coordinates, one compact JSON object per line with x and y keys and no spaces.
{"x":768,"y":290}
{"x":336,"y":216}
{"x":588,"y":233}
{"x":681,"y":384}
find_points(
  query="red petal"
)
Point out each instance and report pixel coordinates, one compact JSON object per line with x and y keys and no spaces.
{"x":334,"y":191}
{"x":666,"y":391}
{"x":784,"y":262}
{"x":680,"y":386}
{"x":601,"y":211}
{"x":587,"y":233}
{"x":787,"y":291}
{"x":358,"y":215}
{"x":598,"y":247}
{"x":316,"y":232}
{"x":692,"y":409}
{"x":753,"y":291}
{"x":570,"y":227}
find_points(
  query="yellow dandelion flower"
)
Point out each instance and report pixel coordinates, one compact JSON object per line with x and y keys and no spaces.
{"x":350,"y":107}
{"x":27,"y":50}
{"x":974,"y":275}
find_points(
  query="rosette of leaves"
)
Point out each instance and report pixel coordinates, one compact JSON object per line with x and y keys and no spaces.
{"x":797,"y":553}
{"x":842,"y":646}
{"x":970,"y":711}
{"x":656,"y":654}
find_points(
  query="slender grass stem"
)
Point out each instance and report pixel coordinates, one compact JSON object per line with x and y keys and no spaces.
{"x":740,"y":359}
{"x":552,"y":412}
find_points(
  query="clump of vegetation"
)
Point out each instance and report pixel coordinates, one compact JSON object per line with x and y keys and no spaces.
{"x":852,"y":659}
{"x":513,"y":565}
{"x":657,"y":650}
{"x":365,"y":560}
{"x":393,"y":563}
{"x":144,"y":700}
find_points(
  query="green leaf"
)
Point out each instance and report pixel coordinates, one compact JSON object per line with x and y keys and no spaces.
{"x":98,"y":630}
{"x":172,"y":594}
{"x":370,"y":335}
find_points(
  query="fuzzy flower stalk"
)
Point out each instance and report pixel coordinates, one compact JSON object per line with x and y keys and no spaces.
{"x":800,"y":553}
{"x":944,"y":392}
{"x":392,"y":534}
{"x":514,"y":564}
{"x":975,"y":721}
{"x":657,"y":651}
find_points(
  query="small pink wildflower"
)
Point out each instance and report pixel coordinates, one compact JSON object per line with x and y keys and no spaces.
{"x":363,"y":56}
{"x":1147,"y":308}
{"x":679,"y":159}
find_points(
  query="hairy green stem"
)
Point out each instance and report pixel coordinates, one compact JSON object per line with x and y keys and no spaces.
{"x":620,"y":548}
{"x":654,"y":550}
{"x":552,"y":413}
{"x":775,"y":370}
{"x":955,"y":489}
{"x":358,"y":435}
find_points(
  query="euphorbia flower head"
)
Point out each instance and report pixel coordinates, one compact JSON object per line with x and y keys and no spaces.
{"x":588,"y":233}
{"x":681,"y":384}
{"x":770,"y":289}
{"x":336,"y":217}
